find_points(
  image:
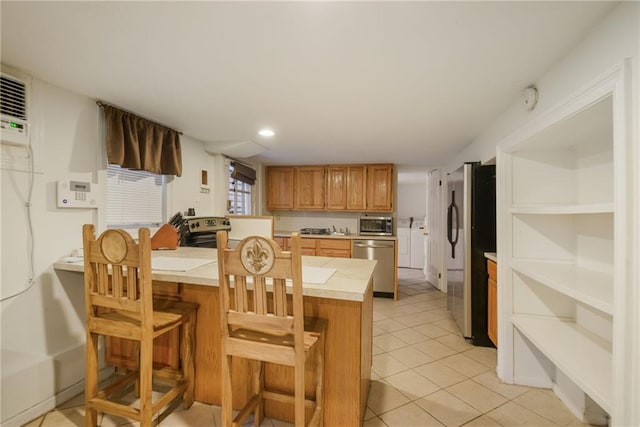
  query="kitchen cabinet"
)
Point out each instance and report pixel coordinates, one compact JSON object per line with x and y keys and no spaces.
{"x":379,"y":188}
{"x":565,"y":284}
{"x":336,"y":188}
{"x":309,"y":185}
{"x":308,"y":246}
{"x":492,"y":302}
{"x":346,"y":188}
{"x":282,"y":242}
{"x":359,"y":188}
{"x":279,"y":187}
{"x":338,"y":248}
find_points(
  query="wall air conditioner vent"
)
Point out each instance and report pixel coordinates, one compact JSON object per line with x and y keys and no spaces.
{"x":13,"y":111}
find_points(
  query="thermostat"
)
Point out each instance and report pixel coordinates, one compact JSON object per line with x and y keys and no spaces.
{"x":530,"y":98}
{"x":76,"y":194}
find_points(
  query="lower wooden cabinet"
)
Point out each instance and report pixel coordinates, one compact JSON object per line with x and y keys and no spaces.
{"x":339,"y":248}
{"x":492,"y":302}
{"x":308,"y":246}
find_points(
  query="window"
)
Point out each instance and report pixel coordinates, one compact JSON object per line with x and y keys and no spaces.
{"x":135,"y":198}
{"x":239,"y":202}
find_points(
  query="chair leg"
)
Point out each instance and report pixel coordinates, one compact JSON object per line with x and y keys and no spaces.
{"x":320,"y":380}
{"x":146,"y":381}
{"x":258,"y":414}
{"x":188,"y":351}
{"x":227,"y":397}
{"x":91,"y":378}
{"x":299,"y":391}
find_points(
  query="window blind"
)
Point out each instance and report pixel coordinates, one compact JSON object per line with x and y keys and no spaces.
{"x":134,"y":198}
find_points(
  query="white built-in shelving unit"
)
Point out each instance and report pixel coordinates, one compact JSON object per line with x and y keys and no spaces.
{"x":563,"y":183}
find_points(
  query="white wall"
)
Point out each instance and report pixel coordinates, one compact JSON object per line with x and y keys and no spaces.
{"x":185,"y":192}
{"x":42,"y":342}
{"x":614,"y":39}
{"x":412,"y":200}
{"x":44,"y":326}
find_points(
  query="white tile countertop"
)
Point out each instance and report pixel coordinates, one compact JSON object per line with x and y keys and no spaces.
{"x":492,"y":256}
{"x":349,"y":281}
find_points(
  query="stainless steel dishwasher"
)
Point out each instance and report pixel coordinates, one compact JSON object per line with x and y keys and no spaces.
{"x":382,"y":251}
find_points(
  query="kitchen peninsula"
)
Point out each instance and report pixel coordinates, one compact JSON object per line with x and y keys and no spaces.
{"x":345,"y":299}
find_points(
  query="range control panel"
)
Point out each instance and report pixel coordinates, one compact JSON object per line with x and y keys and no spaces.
{"x":208,"y":223}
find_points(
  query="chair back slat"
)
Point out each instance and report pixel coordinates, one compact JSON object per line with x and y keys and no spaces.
{"x":116,"y":281}
{"x":102,"y":279}
{"x":260,"y":295}
{"x":115,"y":303}
{"x":132,"y":284}
{"x":280,"y":297}
{"x":259,"y":258}
{"x":242,"y":304}
{"x":269,"y":322}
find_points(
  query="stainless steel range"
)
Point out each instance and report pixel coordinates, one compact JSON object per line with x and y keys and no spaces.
{"x":199,"y":231}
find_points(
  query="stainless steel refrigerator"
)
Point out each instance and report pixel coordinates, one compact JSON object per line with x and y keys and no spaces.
{"x":471,"y":231}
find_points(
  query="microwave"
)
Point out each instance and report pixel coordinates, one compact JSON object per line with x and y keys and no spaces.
{"x":375,"y":226}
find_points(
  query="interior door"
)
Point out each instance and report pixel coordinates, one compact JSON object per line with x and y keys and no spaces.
{"x":433,"y":231}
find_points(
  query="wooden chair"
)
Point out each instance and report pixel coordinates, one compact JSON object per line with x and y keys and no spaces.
{"x":265,"y":326}
{"x":119,"y":303}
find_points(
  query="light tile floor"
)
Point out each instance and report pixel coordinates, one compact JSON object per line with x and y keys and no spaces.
{"x":424,"y":374}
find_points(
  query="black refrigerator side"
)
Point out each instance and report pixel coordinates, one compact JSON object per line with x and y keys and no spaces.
{"x":483,"y":238}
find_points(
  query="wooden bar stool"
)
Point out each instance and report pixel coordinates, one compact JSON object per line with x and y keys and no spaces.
{"x":119,"y":303}
{"x":262,"y":326}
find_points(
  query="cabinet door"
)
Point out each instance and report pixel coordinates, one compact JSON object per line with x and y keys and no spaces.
{"x":346,"y":188}
{"x":308,"y":246}
{"x":309,"y":188}
{"x":356,"y":188}
{"x":379,"y":188}
{"x":279,"y":187}
{"x":338,"y":248}
{"x":336,"y":188}
{"x":281,"y":241}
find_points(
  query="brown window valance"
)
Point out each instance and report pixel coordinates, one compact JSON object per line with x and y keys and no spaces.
{"x":136,"y":143}
{"x":243,"y":173}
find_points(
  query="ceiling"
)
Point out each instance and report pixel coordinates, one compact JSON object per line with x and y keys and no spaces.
{"x":410,"y":83}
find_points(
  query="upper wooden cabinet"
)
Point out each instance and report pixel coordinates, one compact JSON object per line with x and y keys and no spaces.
{"x":309,"y":188}
{"x":279,"y":187}
{"x":379,"y":188}
{"x":361,"y":188}
{"x":346,"y":188}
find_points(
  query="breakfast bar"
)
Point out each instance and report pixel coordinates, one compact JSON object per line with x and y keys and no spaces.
{"x":336,"y":289}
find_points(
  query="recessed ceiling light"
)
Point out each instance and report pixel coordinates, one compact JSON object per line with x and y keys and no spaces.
{"x":266,"y":132}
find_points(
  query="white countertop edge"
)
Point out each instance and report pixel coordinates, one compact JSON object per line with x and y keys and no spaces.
{"x":207,"y":275}
{"x":492,"y":256}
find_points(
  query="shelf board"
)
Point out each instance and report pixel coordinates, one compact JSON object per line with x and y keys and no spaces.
{"x":561,"y":209}
{"x":587,"y":286}
{"x":579,"y":354}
